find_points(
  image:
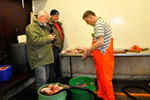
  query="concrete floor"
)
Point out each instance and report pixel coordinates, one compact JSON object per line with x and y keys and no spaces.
{"x":29,"y":93}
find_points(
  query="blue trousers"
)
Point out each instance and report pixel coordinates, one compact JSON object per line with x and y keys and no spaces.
{"x":42,"y":75}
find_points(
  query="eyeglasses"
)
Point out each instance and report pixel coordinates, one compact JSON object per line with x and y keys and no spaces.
{"x":46,"y":18}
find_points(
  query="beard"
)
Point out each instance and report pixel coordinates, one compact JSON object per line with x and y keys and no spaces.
{"x":55,"y":21}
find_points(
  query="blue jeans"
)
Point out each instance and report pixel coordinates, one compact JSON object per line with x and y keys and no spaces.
{"x":55,"y":67}
{"x":42,"y":75}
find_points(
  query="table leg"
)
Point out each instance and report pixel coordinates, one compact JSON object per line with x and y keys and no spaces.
{"x":70,"y":67}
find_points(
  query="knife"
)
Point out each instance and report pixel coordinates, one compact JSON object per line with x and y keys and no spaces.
{"x":136,"y":51}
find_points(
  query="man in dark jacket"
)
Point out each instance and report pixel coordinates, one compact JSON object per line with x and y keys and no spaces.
{"x":55,"y":28}
{"x":39,"y":48}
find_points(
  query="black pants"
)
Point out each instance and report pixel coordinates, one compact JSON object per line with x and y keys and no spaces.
{"x":55,"y":67}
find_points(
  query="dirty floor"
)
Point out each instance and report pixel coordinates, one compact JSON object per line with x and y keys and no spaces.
{"x":29,"y":93}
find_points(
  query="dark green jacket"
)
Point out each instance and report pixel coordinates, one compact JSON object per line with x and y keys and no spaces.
{"x":39,"y":47}
{"x":58,"y":43}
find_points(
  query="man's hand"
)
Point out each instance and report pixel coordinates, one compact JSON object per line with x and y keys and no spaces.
{"x":52,"y":36}
{"x":85,"y":54}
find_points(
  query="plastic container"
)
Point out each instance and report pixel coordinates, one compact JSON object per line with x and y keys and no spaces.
{"x":59,"y":96}
{"x":19,"y":53}
{"x":82,"y":94}
{"x":5,"y":74}
{"x":64,"y":80}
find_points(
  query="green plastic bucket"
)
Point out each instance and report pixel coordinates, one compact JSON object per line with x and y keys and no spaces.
{"x":78,"y":94}
{"x":59,"y":96}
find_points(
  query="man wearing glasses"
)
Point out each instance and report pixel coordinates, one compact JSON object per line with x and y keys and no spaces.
{"x":39,"y":48}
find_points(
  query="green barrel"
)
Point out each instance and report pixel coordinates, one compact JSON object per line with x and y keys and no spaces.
{"x":59,"y":96}
{"x":78,"y":94}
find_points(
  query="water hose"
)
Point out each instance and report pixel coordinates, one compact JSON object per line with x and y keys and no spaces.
{"x":133,"y":86}
{"x":82,"y":88}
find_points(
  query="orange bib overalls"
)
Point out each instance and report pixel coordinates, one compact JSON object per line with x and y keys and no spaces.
{"x":104,"y":69}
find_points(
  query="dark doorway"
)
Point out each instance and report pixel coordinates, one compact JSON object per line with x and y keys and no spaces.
{"x":13,"y":21}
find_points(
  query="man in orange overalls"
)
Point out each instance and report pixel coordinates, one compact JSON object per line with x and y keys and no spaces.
{"x":102,"y":49}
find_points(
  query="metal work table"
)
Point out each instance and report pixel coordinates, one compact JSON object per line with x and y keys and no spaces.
{"x":145,"y":53}
{"x":142,"y":53}
{"x":136,"y":54}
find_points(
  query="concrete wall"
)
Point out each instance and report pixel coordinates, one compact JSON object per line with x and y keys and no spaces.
{"x":125,"y":67}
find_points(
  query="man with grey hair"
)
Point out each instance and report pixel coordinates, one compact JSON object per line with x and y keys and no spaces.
{"x":39,"y":48}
